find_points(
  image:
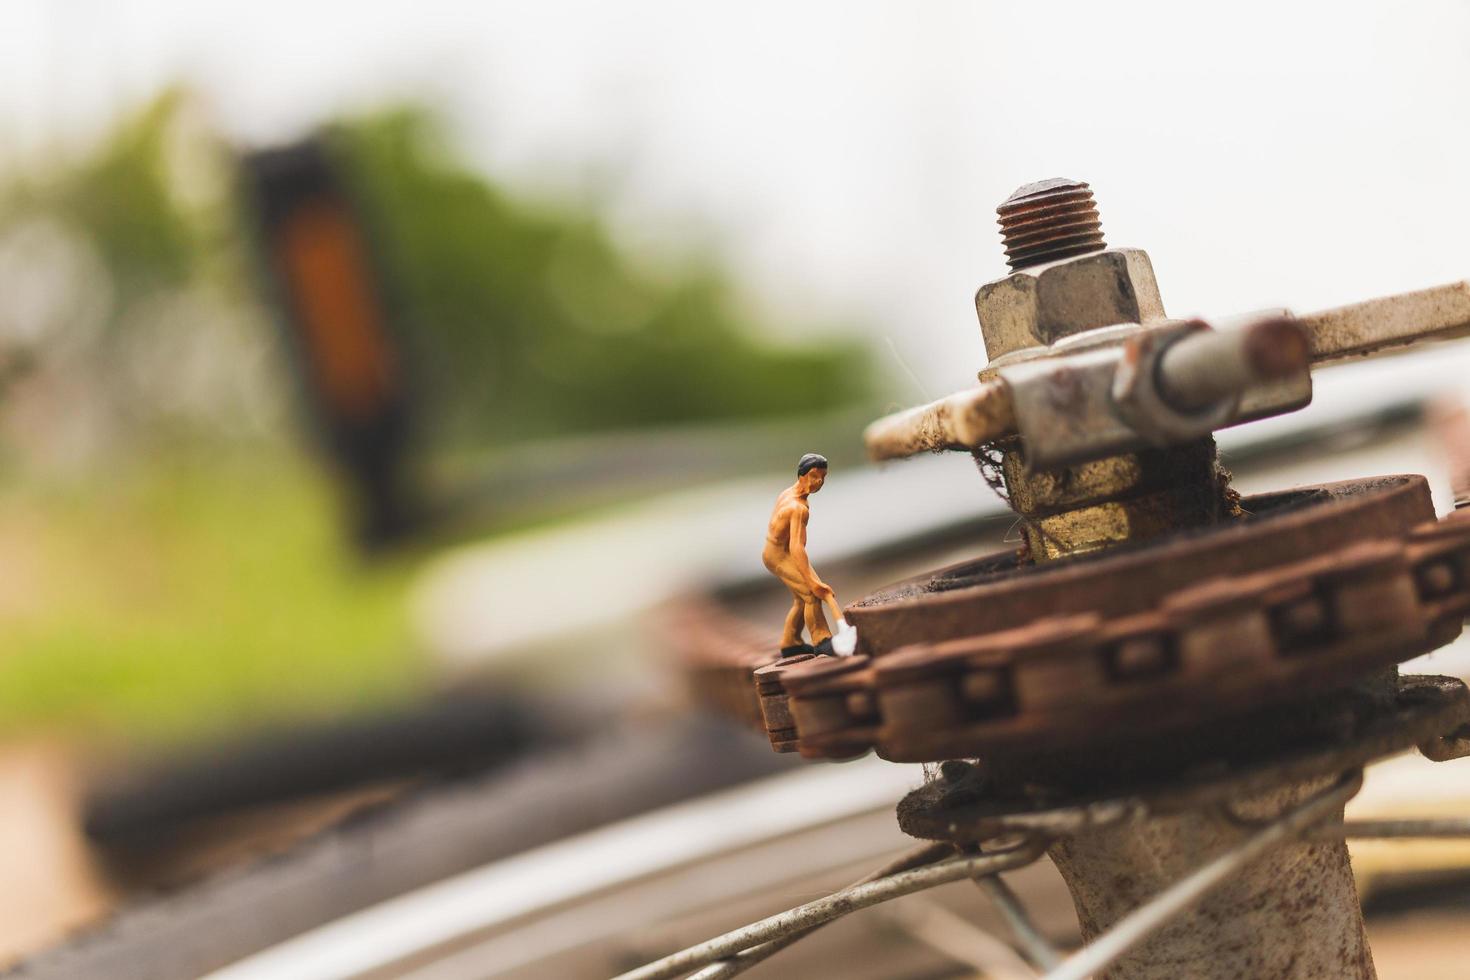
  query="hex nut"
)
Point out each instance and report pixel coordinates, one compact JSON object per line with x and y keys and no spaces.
{"x":1115,"y":522}
{"x":1042,"y":304}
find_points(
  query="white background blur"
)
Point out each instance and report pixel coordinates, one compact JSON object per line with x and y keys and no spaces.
{"x":845,"y":159}
{"x":847,"y":156}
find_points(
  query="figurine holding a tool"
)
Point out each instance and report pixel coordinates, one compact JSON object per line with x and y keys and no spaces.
{"x":785,"y":557}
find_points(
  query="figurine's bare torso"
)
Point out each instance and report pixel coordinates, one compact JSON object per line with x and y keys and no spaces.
{"x":788,"y":523}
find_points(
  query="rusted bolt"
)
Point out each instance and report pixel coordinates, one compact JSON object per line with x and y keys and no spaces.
{"x":1047,"y":220}
{"x":1063,"y":278}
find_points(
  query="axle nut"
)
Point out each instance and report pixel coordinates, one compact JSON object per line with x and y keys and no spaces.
{"x":1039,"y":305}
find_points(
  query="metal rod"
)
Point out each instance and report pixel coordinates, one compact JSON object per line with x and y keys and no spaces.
{"x":1039,"y":951}
{"x":966,"y":420}
{"x":745,"y":959}
{"x":1148,"y":918}
{"x":1438,"y":313}
{"x":1202,"y":368}
{"x":833,"y":906}
{"x":1447,"y":827}
{"x":740,"y":962}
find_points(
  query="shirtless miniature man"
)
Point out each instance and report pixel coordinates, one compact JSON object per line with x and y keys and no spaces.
{"x":785,"y":558}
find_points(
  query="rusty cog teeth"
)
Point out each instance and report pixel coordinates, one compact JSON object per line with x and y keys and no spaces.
{"x":1303,"y":625}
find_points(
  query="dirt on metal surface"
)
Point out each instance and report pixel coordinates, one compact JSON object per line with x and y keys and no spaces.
{"x":1282,"y":916}
{"x":1160,"y":646}
{"x":961,"y":421}
{"x":1387,"y":322}
{"x":1320,"y":588}
{"x":995,"y":592}
{"x":974,"y":801}
{"x":1103,"y":503}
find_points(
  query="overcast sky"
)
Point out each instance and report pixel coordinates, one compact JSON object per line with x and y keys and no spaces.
{"x":847,"y":156}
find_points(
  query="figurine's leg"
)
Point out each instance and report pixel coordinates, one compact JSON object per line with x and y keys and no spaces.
{"x":816,"y":620}
{"x":791,"y":634}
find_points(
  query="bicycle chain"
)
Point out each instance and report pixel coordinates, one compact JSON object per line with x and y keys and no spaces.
{"x":1052,"y":684}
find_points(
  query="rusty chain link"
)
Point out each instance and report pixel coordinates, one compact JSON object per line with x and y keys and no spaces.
{"x":1307,"y":624}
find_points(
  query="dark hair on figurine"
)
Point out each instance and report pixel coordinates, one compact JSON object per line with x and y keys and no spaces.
{"x":811,"y":461}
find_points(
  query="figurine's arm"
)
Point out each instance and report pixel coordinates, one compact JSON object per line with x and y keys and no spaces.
{"x":798,"y":553}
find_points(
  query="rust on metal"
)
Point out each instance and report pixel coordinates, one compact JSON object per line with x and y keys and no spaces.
{"x":1276,"y":347}
{"x":1342,"y":580}
{"x":718,"y":654}
{"x":1294,"y":915}
{"x":1208,"y":366}
{"x":997,"y":591}
{"x":1240,"y":362}
{"x":1169,"y":383}
{"x":963,"y":421}
{"x":1164,"y":662}
{"x":1133,"y":497}
{"x":976,"y":801}
{"x":1388,"y":322}
{"x":775,"y":706}
{"x":1048,"y":220}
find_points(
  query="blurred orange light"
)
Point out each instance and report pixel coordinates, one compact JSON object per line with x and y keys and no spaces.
{"x":326,"y":267}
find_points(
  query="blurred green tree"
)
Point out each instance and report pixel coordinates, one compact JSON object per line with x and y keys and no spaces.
{"x":180,"y":585}
{"x":523,"y":319}
{"x":530,"y":322}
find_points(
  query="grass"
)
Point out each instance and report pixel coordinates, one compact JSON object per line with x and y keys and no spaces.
{"x":189,"y":598}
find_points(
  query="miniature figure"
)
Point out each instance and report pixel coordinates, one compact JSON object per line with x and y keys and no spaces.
{"x":785,"y":557}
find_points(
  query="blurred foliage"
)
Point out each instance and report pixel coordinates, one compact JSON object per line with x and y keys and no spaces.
{"x":122,"y":197}
{"x":523,"y":318}
{"x":527,"y":320}
{"x":169,"y":566}
{"x":194,"y":597}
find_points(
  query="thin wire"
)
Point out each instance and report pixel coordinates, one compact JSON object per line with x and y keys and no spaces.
{"x":1148,"y":918}
{"x":908,"y":370}
{"x":739,"y":963}
{"x":1039,"y":952}
{"x":834,"y":906}
{"x":990,"y":461}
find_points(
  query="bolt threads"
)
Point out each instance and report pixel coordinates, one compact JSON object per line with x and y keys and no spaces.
{"x":1048,"y":220}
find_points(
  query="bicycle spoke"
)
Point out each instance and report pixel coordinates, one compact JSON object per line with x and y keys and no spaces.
{"x":1368,"y":829}
{"x":804,"y":917}
{"x":1039,"y":951}
{"x":739,"y":963}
